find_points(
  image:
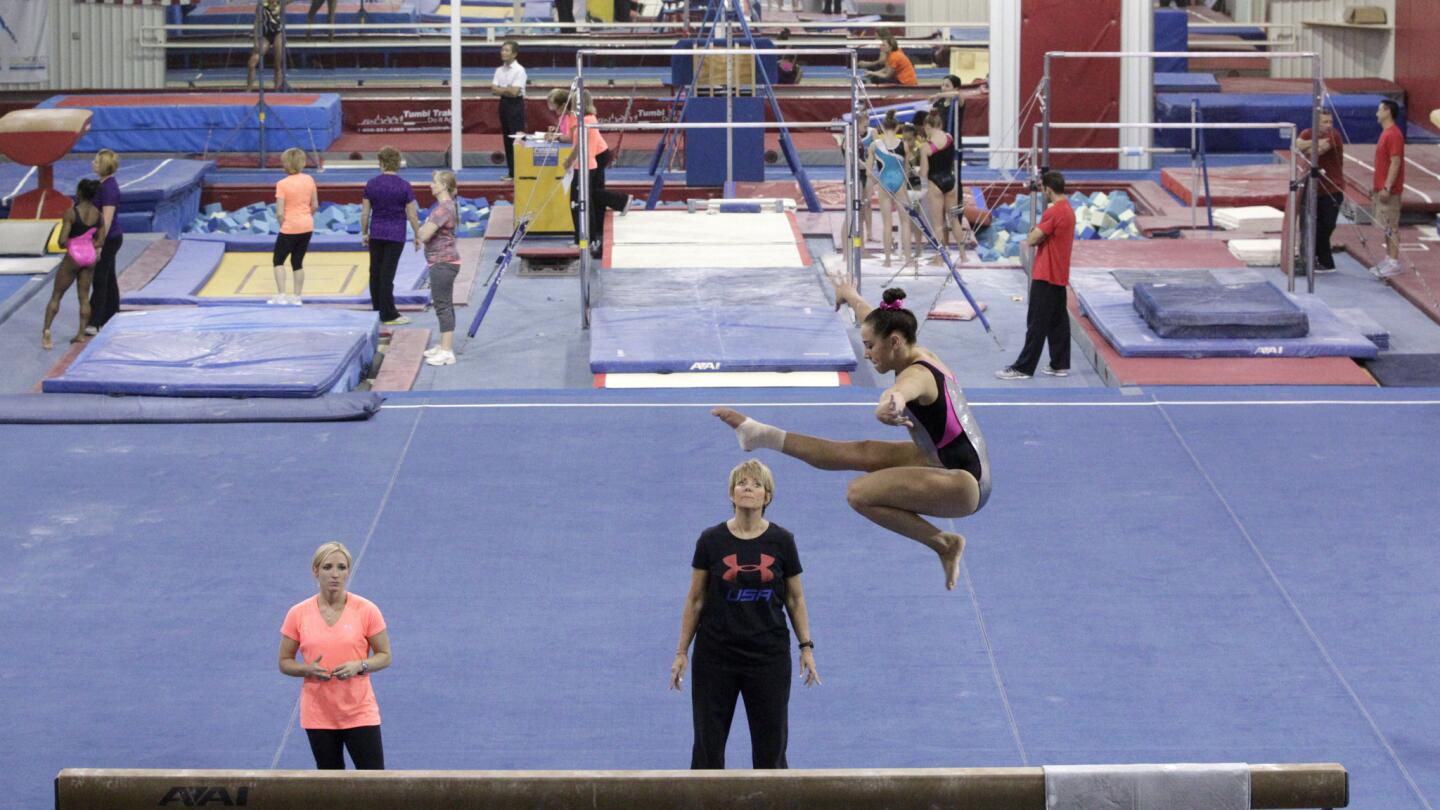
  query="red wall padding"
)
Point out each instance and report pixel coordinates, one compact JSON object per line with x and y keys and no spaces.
{"x":1417,"y":59}
{"x":1085,"y":90}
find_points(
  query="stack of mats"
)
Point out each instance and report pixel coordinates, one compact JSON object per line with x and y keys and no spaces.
{"x":229,"y":352}
{"x":156,"y":196}
{"x":712,"y":292}
{"x":24,"y":261}
{"x":1114,"y":311}
{"x":1256,"y":309}
{"x":1250,"y":217}
{"x":1256,"y":252}
{"x":1186,"y":83}
{"x":1355,"y":113}
{"x":205,"y":122}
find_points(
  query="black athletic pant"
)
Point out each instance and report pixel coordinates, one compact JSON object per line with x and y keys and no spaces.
{"x":512,"y":120}
{"x":366,"y":750}
{"x":1046,"y":319}
{"x":600,"y":199}
{"x":715,"y":684}
{"x":105,"y":289}
{"x":565,"y":13}
{"x":1327,"y":211}
{"x":384,"y":259}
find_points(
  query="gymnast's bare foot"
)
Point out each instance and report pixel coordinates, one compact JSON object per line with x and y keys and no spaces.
{"x":950,"y":557}
{"x":45,"y":342}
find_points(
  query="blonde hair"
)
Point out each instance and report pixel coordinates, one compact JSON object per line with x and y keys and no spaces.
{"x":389,"y":158}
{"x":755,"y":468}
{"x":558,"y":97}
{"x":107,"y":162}
{"x":563,"y":100}
{"x":446,"y":178}
{"x":293,"y":160}
{"x":326,"y":549}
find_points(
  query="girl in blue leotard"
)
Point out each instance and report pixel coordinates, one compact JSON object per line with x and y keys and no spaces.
{"x":886,"y":159}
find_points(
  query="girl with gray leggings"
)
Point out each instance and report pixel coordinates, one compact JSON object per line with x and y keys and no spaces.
{"x":438,"y":234}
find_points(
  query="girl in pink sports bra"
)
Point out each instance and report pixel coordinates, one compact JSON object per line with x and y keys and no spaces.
{"x":942,"y":471}
{"x":78,"y":223}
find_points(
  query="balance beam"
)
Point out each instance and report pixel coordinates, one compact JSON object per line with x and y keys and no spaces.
{"x":1324,"y":785}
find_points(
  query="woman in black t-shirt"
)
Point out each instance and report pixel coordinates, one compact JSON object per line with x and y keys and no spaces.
{"x":746,"y":577}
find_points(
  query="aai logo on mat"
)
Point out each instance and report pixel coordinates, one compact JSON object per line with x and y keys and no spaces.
{"x":705,"y":365}
{"x":205,"y":796}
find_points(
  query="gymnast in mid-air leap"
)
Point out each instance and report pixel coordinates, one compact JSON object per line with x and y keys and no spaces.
{"x":942,"y":472}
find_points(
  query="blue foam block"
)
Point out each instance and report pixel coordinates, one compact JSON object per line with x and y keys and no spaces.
{"x":714,"y":338}
{"x":1215,"y":310}
{"x":1172,"y":35}
{"x":229,"y":351}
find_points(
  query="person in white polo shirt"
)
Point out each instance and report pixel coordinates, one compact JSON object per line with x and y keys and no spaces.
{"x":509,"y":85}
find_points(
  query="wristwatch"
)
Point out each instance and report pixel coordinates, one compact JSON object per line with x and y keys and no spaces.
{"x":810,"y":644}
{"x":364,"y":666}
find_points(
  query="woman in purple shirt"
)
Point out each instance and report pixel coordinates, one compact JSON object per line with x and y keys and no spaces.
{"x":105,"y":294}
{"x":388,"y":204}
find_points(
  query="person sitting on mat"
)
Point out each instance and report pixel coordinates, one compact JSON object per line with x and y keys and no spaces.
{"x":269,"y":35}
{"x":598,"y":157}
{"x":388,"y":204}
{"x":943,"y":471}
{"x":77,"y":237}
{"x":893,"y":66}
{"x":296,"y":201}
{"x":438,"y":234}
{"x":342,"y":638}
{"x":105,"y":287}
{"x":744,"y":578}
{"x":1047,"y":317}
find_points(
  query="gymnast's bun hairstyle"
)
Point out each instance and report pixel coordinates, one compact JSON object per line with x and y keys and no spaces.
{"x":892,"y":317}
{"x":891,"y":123}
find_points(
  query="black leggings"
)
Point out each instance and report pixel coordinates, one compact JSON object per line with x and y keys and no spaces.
{"x":363,"y":742}
{"x":715,"y":683}
{"x":600,"y":199}
{"x":384,"y":259}
{"x":105,"y":294}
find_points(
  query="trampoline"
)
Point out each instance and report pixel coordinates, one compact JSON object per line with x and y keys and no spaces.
{"x":205,"y":272}
{"x":204,"y":122}
{"x":234,"y":351}
{"x":163,"y":195}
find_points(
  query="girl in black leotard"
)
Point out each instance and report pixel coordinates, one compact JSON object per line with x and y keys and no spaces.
{"x":79,"y":223}
{"x":943,"y":471}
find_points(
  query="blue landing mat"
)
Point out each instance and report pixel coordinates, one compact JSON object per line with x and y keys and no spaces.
{"x":163,"y":194}
{"x":1356,"y":112}
{"x":1186,"y":83}
{"x":1111,"y":308}
{"x":1214,"y":310}
{"x":1204,"y":597}
{"x":718,"y":338}
{"x":230,"y":351}
{"x":182,"y":278}
{"x":205,"y":122}
{"x":214,"y":12}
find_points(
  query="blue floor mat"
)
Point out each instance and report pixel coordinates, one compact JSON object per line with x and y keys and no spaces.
{"x":225,"y":351}
{"x":1214,"y":310}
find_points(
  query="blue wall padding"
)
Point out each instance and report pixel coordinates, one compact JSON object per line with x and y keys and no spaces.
{"x":225,"y":351}
{"x":711,"y":338}
{"x":1215,"y":310}
{"x":1111,"y":309}
{"x":1186,"y":83}
{"x":1172,"y":27}
{"x":207,"y":128}
{"x":1355,"y":114}
{"x":682,"y":68}
{"x":89,"y":409}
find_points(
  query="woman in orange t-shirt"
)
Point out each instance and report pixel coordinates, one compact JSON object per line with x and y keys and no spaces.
{"x":342,"y":638}
{"x":296,"y":200}
{"x":598,"y":156}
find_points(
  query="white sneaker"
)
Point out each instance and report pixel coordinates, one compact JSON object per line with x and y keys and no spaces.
{"x":1387,"y":269}
{"x":294,"y":300}
{"x":1056,"y":372}
{"x":444,"y":358}
{"x":434,"y":350}
{"x":1009,"y":373}
{"x":276,"y":300}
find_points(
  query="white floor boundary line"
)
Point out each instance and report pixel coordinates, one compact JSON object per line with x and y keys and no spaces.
{"x":16,"y":191}
{"x":871,"y":404}
{"x":994,"y":663}
{"x":147,"y":175}
{"x":1300,"y":616}
{"x":1408,"y":187}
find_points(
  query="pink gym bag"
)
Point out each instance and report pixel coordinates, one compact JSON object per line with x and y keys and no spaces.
{"x":81,"y":249}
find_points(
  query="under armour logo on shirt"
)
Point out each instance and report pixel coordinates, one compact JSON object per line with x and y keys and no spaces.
{"x":733,"y":567}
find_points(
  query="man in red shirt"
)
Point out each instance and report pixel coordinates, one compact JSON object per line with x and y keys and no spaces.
{"x":1331,"y":191}
{"x":1389,"y":182}
{"x":894,"y":67}
{"x":1047,"y":317}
